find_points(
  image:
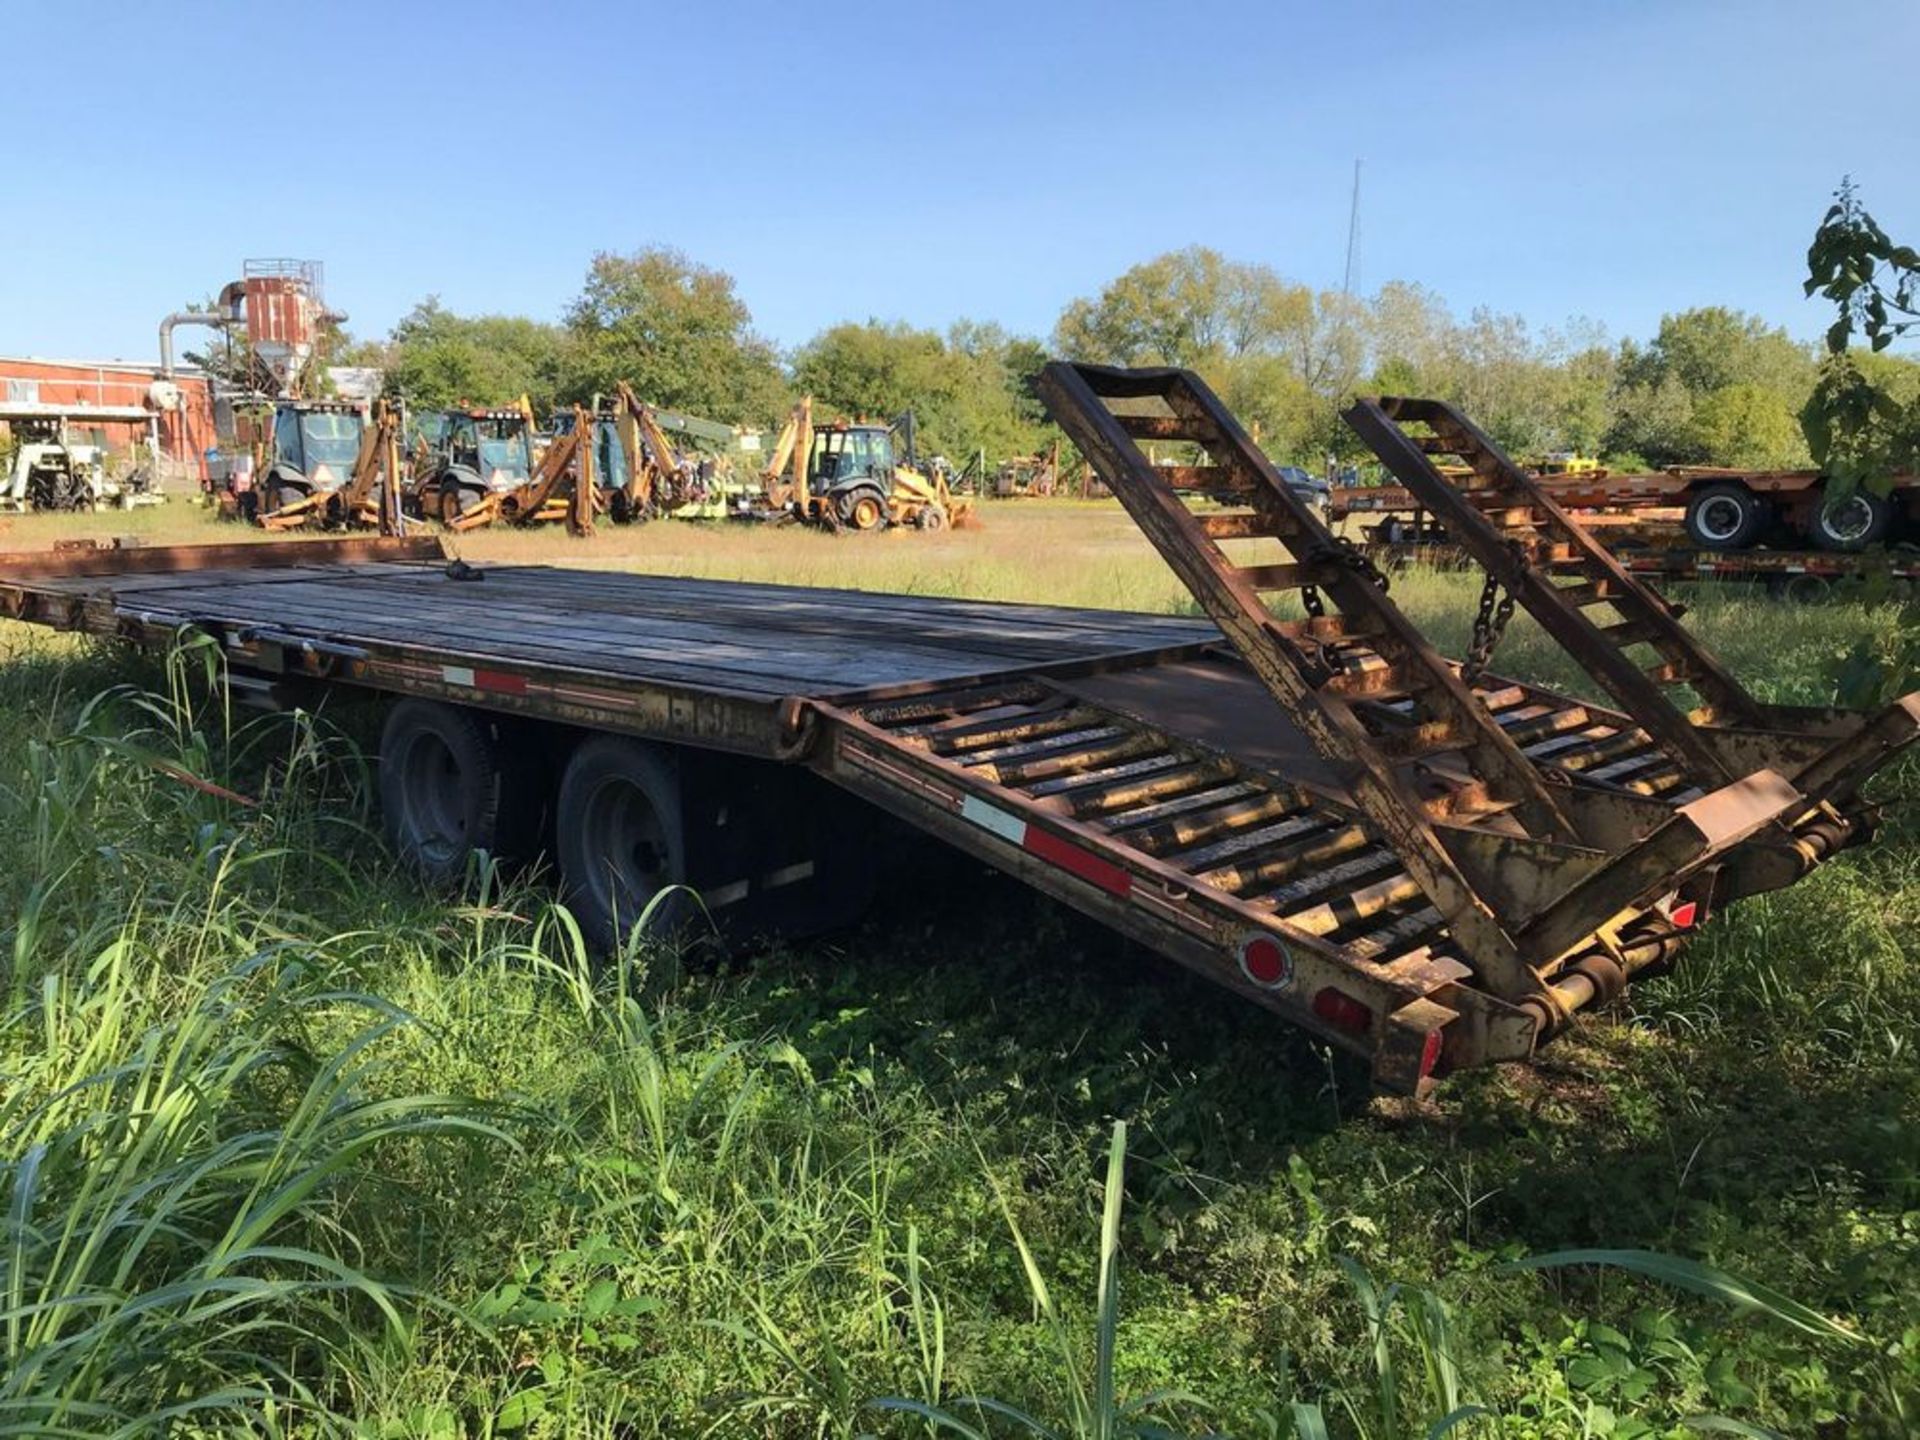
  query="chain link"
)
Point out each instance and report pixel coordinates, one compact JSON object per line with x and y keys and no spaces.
{"x":1489,"y":624}
{"x":1361,"y":563}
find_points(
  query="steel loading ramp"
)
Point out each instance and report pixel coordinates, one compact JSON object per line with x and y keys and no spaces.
{"x":1539,"y":871}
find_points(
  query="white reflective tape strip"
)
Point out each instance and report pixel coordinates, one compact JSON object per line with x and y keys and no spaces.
{"x":457,"y":675}
{"x":725,"y":894}
{"x":996,"y":821}
{"x":787,"y":875}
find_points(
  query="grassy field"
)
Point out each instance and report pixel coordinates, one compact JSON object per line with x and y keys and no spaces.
{"x":292,"y":1147}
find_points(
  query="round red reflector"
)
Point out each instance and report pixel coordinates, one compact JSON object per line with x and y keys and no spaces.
{"x":1265,"y":961}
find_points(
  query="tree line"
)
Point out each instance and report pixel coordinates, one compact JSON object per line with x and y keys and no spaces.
{"x":1712,"y":385}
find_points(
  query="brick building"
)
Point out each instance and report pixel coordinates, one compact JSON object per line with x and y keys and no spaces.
{"x":110,"y":403}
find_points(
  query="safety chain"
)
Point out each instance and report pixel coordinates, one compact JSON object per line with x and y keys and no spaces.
{"x":1361,"y":563}
{"x":1342,"y":552}
{"x":1490,"y":623}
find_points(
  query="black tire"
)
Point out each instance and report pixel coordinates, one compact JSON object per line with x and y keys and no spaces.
{"x":453,"y":503}
{"x":1725,"y":516}
{"x":1862,"y":519}
{"x":862,"y":508}
{"x":622,"y":842}
{"x":448,"y":788}
{"x":932,"y":517}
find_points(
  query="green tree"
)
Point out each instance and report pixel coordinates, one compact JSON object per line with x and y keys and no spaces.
{"x":1695,"y":355}
{"x":439,"y":359}
{"x":875,"y":370}
{"x":1711,"y":347}
{"x":1280,"y":356}
{"x":1750,"y":427}
{"x":968,"y":390}
{"x":676,"y":331}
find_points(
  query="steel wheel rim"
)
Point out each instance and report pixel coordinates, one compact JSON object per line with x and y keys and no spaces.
{"x":430,"y":784}
{"x":866,"y":513}
{"x":1850,"y":521}
{"x":1708,"y":517}
{"x":630,"y":859}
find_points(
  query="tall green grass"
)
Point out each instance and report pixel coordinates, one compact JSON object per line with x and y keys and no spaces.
{"x":292,"y":1147}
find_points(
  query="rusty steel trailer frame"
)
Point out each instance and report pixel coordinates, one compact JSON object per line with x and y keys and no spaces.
{"x":1428,"y":868}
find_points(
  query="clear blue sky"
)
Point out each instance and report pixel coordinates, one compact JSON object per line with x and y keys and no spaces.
{"x":930,"y":161}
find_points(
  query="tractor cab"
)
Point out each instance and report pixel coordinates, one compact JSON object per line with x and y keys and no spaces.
{"x":491,"y":447}
{"x":315,"y":443}
{"x":610,"y":468}
{"x":297,"y":449}
{"x":477,"y":454}
{"x":846,"y":455}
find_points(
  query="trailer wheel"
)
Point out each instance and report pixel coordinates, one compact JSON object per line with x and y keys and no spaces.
{"x":863,"y":509}
{"x":1855,"y":523}
{"x":1725,"y":517}
{"x":446,"y":789}
{"x":621,"y":841}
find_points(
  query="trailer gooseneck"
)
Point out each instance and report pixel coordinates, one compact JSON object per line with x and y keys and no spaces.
{"x":1421,"y":861}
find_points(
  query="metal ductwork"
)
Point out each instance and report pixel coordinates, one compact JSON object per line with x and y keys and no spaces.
{"x":229,"y":313}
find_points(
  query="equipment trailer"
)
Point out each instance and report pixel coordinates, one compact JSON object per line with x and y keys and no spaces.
{"x":1419,"y":861}
{"x":1406,"y":534}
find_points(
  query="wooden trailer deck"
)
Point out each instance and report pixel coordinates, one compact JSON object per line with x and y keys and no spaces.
{"x":724,"y":637}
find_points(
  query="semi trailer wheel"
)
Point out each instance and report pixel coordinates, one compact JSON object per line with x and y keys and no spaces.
{"x":1860,"y":520}
{"x":622,"y":841}
{"x":1725,"y":517}
{"x":447,"y":789}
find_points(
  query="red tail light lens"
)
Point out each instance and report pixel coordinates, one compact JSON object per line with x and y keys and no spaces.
{"x":1340,"y":1009}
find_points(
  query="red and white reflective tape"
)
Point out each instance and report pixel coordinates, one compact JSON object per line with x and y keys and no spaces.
{"x":498,"y":682}
{"x":1083,"y":864}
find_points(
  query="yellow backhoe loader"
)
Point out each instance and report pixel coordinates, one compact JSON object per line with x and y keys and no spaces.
{"x":844,"y":476}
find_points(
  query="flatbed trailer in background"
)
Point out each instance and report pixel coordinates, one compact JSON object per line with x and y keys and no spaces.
{"x":1653,"y":543}
{"x":1730,"y":512}
{"x":1426,"y":864}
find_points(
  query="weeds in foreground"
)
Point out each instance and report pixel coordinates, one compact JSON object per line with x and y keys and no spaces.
{"x":290,"y":1147}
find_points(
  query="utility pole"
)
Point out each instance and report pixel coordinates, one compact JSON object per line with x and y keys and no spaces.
{"x":1353,"y":235}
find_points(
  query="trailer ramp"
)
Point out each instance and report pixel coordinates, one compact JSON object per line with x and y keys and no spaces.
{"x":1548,"y":852}
{"x":1554,"y":566}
